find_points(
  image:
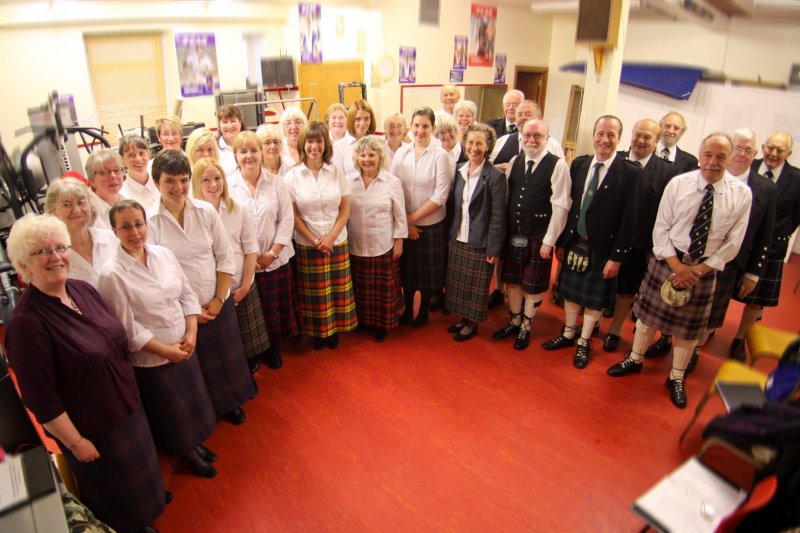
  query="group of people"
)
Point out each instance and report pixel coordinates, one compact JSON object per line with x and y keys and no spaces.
{"x":165,"y":281}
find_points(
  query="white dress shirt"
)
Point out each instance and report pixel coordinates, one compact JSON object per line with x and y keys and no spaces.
{"x":227,"y":159}
{"x":318,"y":199}
{"x":603,"y":171}
{"x":427,"y":178}
{"x":470,"y":182}
{"x":377,"y":215}
{"x":271,"y":211}
{"x":104,"y":246}
{"x":552,"y":146}
{"x":673,"y":152}
{"x":389,"y":152}
{"x":101,"y":208}
{"x":152,"y":302}
{"x":146,"y":194}
{"x":775,"y":173}
{"x":202,"y":245}
{"x":343,"y":154}
{"x":286,"y":157}
{"x":241,"y":231}
{"x":679,"y":204}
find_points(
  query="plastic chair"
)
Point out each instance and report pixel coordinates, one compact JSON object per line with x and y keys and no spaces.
{"x":763,"y":341}
{"x":760,"y":496}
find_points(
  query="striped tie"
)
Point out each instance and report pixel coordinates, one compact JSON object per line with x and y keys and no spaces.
{"x":701,"y":225}
{"x":665,"y":154}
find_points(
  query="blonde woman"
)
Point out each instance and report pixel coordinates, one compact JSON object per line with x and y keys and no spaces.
{"x":270,"y":137}
{"x":201,"y":143}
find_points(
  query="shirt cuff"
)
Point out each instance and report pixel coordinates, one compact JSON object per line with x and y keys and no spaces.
{"x":751,"y":277}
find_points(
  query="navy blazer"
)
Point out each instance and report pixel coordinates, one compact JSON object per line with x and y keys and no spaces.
{"x":787,"y":208}
{"x":685,"y":161}
{"x":487,"y":210}
{"x":498,"y":125}
{"x":758,"y":237}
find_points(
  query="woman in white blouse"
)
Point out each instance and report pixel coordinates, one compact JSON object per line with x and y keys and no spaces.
{"x":320,"y":196}
{"x":230,"y":122}
{"x":202,"y":143}
{"x":209,"y":184}
{"x":145,"y":287}
{"x":92,"y":247}
{"x":292,"y":121}
{"x":138,"y":185}
{"x":105,"y":171}
{"x":270,"y":137}
{"x":360,"y":122}
{"x":448,"y":134}
{"x":336,"y":119}
{"x":426,"y":173}
{"x":395,"y":128}
{"x":194,"y":232}
{"x":376,"y":231}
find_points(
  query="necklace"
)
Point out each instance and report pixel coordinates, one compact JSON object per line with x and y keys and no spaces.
{"x":73,"y":305}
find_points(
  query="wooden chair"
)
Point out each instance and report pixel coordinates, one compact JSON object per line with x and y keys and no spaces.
{"x":766,"y":342}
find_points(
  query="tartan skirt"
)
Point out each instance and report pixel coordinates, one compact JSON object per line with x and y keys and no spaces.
{"x":221,"y":355}
{"x":589,"y":289}
{"x":280,"y":303}
{"x":326,"y":291}
{"x":532,"y":275}
{"x":251,"y":323}
{"x":177,"y":404}
{"x":423,"y":265}
{"x":468,"y":278}
{"x":723,"y":291}
{"x":768,"y":288}
{"x":123,"y":488}
{"x":687,"y":322}
{"x":631,"y":272}
{"x":376,"y":283}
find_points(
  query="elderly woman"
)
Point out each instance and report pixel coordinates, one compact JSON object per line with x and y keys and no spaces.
{"x":139,"y":185}
{"x":70,"y":357}
{"x":106,"y":172}
{"x":169,"y":131}
{"x":92,"y":247}
{"x":336,"y":119}
{"x":396,"y":128}
{"x":321,"y":199}
{"x":476,"y":232}
{"x":209,"y":184}
{"x":376,"y":229}
{"x":194,"y":232}
{"x":270,"y":137}
{"x":202,"y":143}
{"x":360,"y":122}
{"x":426,"y":173}
{"x":448,"y":134}
{"x":147,"y":290}
{"x":465,"y":112}
{"x":230,"y":122}
{"x":292,"y":121}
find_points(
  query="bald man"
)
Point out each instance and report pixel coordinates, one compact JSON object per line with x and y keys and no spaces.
{"x":449,"y":97}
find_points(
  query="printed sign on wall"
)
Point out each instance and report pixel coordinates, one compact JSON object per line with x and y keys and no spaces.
{"x":408,"y":64}
{"x":500,"y":69}
{"x":483,"y":27}
{"x":310,"y":48}
{"x":460,"y":52}
{"x":197,"y":63}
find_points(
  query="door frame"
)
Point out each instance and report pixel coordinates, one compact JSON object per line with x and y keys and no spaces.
{"x":535,"y":70}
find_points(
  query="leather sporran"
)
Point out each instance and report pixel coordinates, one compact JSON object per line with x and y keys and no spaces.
{"x":518,"y":249}
{"x":578,"y":257}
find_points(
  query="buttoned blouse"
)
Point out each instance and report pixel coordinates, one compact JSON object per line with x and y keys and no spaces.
{"x":377,"y":214}
{"x":104,"y":246}
{"x":428,"y":177}
{"x":239,"y":225}
{"x":151,"y":301}
{"x":102,"y":208}
{"x":202,"y":245}
{"x":678,"y":208}
{"x":343,"y":154}
{"x":286,"y":157}
{"x":227,"y":159}
{"x":390,"y":153}
{"x":271,"y":211}
{"x":470,"y":181}
{"x":146,"y":194}
{"x":318,"y":199}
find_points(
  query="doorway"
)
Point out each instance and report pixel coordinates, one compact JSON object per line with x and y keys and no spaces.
{"x":533,"y":82}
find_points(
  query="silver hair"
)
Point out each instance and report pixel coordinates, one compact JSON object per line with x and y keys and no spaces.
{"x":745,"y":134}
{"x":68,"y":188}
{"x":370,"y":142}
{"x":25,"y":235}
{"x":98,"y":158}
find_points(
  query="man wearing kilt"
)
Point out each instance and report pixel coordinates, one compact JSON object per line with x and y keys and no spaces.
{"x":538,"y":204}
{"x":699,"y":227}
{"x":655,"y":175}
{"x":742,"y":274}
{"x":598,"y":235}
{"x":787,"y":217}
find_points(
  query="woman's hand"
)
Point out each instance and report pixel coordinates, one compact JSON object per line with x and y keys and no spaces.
{"x":240,"y":293}
{"x":175,"y":353}
{"x":413,"y":232}
{"x":397,"y":250}
{"x":265,"y":260}
{"x":188,"y":342}
{"x":84,"y":451}
{"x":325,"y":244}
{"x":209,"y":311}
{"x":491,"y":259}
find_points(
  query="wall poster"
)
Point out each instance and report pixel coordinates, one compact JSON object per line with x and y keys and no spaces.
{"x":408,"y":64}
{"x":197,"y":64}
{"x":310,"y":50}
{"x":500,"y":69}
{"x":483,"y":27}
{"x":460,"y":52}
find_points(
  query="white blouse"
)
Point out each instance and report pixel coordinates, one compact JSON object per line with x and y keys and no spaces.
{"x":377,"y":215}
{"x":202,"y":245}
{"x":227,"y":159}
{"x":151,"y":302}
{"x":271,"y":211}
{"x":318,"y":199}
{"x":286,"y":157}
{"x":146,"y":194}
{"x":239,"y":225}
{"x":343,"y":154}
{"x":427,"y":178}
{"x":470,"y":181}
{"x":104,"y":246}
{"x":101,"y":208}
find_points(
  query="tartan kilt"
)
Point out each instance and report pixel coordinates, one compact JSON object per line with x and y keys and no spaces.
{"x":280,"y":303}
{"x":376,"y":283}
{"x":123,"y":487}
{"x":589,"y":289}
{"x":221,"y":355}
{"x":326,"y":291}
{"x":687,"y":322}
{"x":532,"y":275}
{"x":768,"y":288}
{"x":177,"y":404}
{"x":631,"y":272}
{"x":423,"y":265}
{"x":723,"y":291}
{"x":468,"y":278}
{"x":251,"y":324}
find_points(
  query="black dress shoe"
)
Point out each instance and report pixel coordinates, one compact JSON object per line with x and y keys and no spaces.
{"x":559,"y":342}
{"x":737,"y":350}
{"x":380,"y":334}
{"x":582,"y":352}
{"x":508,"y":331}
{"x":495,"y":299}
{"x":236,"y":417}
{"x":523,"y":339}
{"x":625,"y":367}
{"x":406,"y":318}
{"x":332,"y":341}
{"x":611,"y":343}
{"x":420,"y":321}
{"x":205,"y":453}
{"x":201,"y":467}
{"x":692,"y":363}
{"x":274,"y":359}
{"x":253,"y":364}
{"x":167,"y":497}
{"x":677,"y":392}
{"x":461,"y":337}
{"x":319,"y":343}
{"x":660,"y":347}
{"x":455,"y":328}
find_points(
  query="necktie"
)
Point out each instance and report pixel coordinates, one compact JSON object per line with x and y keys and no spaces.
{"x":701,"y":225}
{"x":587,"y":199}
{"x":528,"y":171}
{"x":511,"y":129}
{"x":665,"y":154}
{"x":769,"y":175}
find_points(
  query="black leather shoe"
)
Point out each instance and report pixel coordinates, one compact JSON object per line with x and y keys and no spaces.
{"x":205,"y":453}
{"x":236,"y":417}
{"x":504,"y":333}
{"x":625,"y":367}
{"x":380,"y":334}
{"x":455,"y":328}
{"x":167,"y":497}
{"x":496,"y":299}
{"x":421,"y":320}
{"x":202,"y":468}
{"x":559,"y":342}
{"x":461,"y":337}
{"x":332,"y":341}
{"x":274,"y":359}
{"x":582,"y":352}
{"x":611,"y":343}
{"x":406,"y":318}
{"x":677,"y":392}
{"x":692,"y":363}
{"x":319,"y":343}
{"x":253,"y":364}
{"x":737,"y":350}
{"x":523,"y":339}
{"x":660,"y":347}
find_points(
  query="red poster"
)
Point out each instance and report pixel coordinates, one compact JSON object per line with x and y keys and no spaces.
{"x":483,"y":27}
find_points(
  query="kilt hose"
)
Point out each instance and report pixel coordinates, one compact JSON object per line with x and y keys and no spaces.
{"x":687,"y":322}
{"x":280,"y":303}
{"x":326,"y":291}
{"x":631,"y":272}
{"x":123,"y":487}
{"x":727,"y":280}
{"x":589,"y":288}
{"x":768,"y":288}
{"x":177,"y":404}
{"x":468,"y":278}
{"x":532,"y":275}
{"x":221,"y":355}
{"x":423,"y":266}
{"x":376,"y":284}
{"x":251,"y":323}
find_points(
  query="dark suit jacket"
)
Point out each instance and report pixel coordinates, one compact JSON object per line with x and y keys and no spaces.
{"x":787,"y":208}
{"x":684,"y":161}
{"x":758,"y":237}
{"x":611,"y":219}
{"x":487,"y":210}
{"x":498,"y":125}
